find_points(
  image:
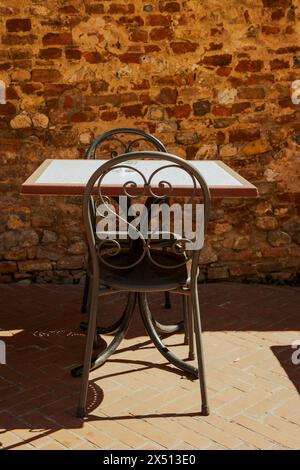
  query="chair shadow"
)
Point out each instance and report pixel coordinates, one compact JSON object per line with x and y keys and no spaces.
{"x":284,"y":356}
{"x":46,"y":341}
{"x":68,"y":419}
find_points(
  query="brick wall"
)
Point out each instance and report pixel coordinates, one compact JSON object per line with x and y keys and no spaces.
{"x":210,"y":78}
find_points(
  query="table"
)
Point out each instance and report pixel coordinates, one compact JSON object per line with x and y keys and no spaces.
{"x":69,"y":177}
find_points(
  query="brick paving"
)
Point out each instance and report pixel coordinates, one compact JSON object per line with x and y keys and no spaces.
{"x":135,"y":400}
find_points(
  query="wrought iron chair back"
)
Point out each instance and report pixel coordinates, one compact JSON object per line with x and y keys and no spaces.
{"x":116,"y":136}
{"x":107,"y":250}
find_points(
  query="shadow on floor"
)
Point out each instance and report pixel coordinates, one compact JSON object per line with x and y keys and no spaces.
{"x":284,"y":355}
{"x":43,"y":342}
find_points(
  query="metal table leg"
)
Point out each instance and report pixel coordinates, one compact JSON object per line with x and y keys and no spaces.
{"x":161,"y":327}
{"x":123,"y":325}
{"x":149,"y":324}
{"x":98,"y":360}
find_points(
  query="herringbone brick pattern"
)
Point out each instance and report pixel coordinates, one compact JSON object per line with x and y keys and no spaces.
{"x":137,"y":400}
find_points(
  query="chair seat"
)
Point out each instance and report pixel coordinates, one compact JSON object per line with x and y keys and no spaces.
{"x":145,"y":276}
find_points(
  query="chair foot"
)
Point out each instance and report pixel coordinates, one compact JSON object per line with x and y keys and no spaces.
{"x":77,"y":371}
{"x":205,"y":410}
{"x":81,"y":413}
{"x":191,"y":356}
{"x":97,"y":342}
{"x":167,"y":300}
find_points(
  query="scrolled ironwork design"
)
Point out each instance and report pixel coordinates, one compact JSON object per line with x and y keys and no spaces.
{"x":125,"y":147}
{"x":103,"y":252}
{"x":174,"y":246}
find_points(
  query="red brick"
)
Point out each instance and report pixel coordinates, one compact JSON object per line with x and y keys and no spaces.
{"x":8,"y":267}
{"x":95,"y":8}
{"x":275,"y":252}
{"x":224,"y":71}
{"x":215,"y":46}
{"x":217,"y":60}
{"x":277,"y":14}
{"x":142,"y":85}
{"x":183,"y":47}
{"x":100,"y":85}
{"x":239,"y":271}
{"x":277,"y":64}
{"x":243,"y":135}
{"x":94,"y":57}
{"x":270,"y":29}
{"x":52,"y":39}
{"x":158,"y":20}
{"x":131,"y":57}
{"x":251,"y":93}
{"x":131,"y":21}
{"x":50,"y":53}
{"x":201,"y":107}
{"x":221,"y":111}
{"x":167,"y":96}
{"x":145,"y":98}
{"x":240,"y":107}
{"x":11,"y":93}
{"x":290,"y":30}
{"x":68,"y":10}
{"x":15,"y":25}
{"x":170,"y":7}
{"x":35,"y":265}
{"x":134,"y":110}
{"x":277,"y":3}
{"x":220,"y":138}
{"x":18,"y":40}
{"x":180,"y":111}
{"x":45,"y":75}
{"x":246,"y":65}
{"x":158,"y":34}
{"x":5,"y":66}
{"x":109,"y":116}
{"x":139,"y":35}
{"x":262,"y":78}
{"x":288,"y":50}
{"x":7,"y":109}
{"x":286,"y":102}
{"x":151,"y":48}
{"x":55,"y":88}
{"x":121,"y":9}
{"x":82,"y":116}
{"x":73,"y":54}
{"x":115,"y":99}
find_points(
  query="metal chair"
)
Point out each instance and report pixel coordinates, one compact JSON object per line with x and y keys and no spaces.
{"x":140,"y":267}
{"x":114,"y":142}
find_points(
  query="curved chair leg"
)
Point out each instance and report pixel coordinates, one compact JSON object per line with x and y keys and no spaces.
{"x":104,"y":329}
{"x":167,"y":329}
{"x":199,"y":347}
{"x":185,"y":319}
{"x":102,"y":357}
{"x":148,"y":322}
{"x":167,"y":300}
{"x":190,"y":327}
{"x":85,"y":294}
{"x":88,"y":352}
{"x":161,"y":327}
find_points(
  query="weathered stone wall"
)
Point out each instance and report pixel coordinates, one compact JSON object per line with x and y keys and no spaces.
{"x":210,"y":78}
